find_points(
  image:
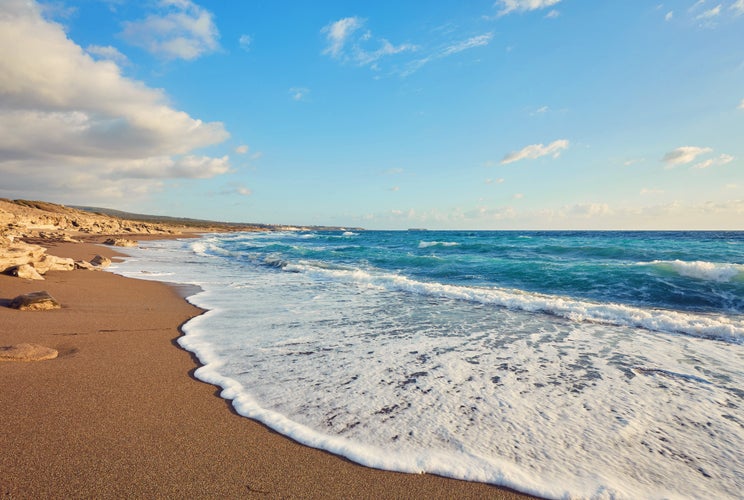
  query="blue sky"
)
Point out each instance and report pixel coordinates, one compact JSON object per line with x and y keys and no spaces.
{"x":508,"y":114}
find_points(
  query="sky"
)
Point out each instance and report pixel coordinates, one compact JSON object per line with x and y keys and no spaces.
{"x":393,"y":114}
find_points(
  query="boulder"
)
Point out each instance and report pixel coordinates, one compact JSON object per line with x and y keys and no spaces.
{"x":51,"y":263}
{"x":26,"y":352}
{"x":35,"y":301}
{"x":100,"y":261}
{"x":84,"y":264}
{"x":26,"y":271}
{"x":17,"y":253}
{"x":120,"y":242}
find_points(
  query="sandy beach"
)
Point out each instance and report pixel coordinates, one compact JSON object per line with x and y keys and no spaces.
{"x":119,"y":413}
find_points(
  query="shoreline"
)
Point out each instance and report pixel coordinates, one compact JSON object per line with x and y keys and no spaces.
{"x":119,"y":412}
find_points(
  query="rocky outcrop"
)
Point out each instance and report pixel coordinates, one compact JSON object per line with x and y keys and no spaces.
{"x":29,"y":261}
{"x":35,"y":301}
{"x":17,"y":253}
{"x":26,"y":352}
{"x":49,"y":221}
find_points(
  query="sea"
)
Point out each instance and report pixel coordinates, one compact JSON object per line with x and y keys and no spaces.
{"x":560,"y":364}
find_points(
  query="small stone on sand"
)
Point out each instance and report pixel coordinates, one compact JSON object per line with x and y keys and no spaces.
{"x":35,"y":301}
{"x":26,"y":352}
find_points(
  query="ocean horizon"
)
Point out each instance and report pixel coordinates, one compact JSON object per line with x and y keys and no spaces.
{"x":593,"y":364}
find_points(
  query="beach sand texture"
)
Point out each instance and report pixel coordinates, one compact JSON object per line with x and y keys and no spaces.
{"x":119,"y":414}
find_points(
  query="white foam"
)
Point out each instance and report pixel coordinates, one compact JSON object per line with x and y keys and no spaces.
{"x":712,"y":271}
{"x":351,"y":360}
{"x":427,"y":244}
{"x":659,"y":320}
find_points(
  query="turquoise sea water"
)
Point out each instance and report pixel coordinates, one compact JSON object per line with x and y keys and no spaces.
{"x":564,"y":364}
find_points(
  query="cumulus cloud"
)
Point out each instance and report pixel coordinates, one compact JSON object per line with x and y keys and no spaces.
{"x":181,"y":30}
{"x":669,"y":15}
{"x":108,"y":52}
{"x":242,"y":149}
{"x":71,"y":124}
{"x":345,"y":41}
{"x":587,"y":210}
{"x":535,"y":151}
{"x":509,"y":6}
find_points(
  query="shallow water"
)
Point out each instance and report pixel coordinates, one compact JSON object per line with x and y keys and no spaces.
{"x":607,"y":365}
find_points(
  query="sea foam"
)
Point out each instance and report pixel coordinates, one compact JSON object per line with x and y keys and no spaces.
{"x":659,"y":320}
{"x":713,"y":271}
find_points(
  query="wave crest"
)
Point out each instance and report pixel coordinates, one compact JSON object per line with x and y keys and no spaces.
{"x":710,"y":271}
{"x":659,"y":320}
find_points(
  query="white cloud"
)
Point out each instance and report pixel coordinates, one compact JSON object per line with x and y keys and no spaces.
{"x":587,"y":210}
{"x":242,"y":149}
{"x":338,"y":33}
{"x":74,"y":126}
{"x":552,"y":14}
{"x":500,"y":180}
{"x":633,"y":161}
{"x":182,"y":30}
{"x":696,"y":5}
{"x":395,"y":189}
{"x":518,"y":196}
{"x":710,"y":13}
{"x":738,"y":7}
{"x":299,"y":93}
{"x":669,"y":15}
{"x":472,"y":42}
{"x":721,"y":160}
{"x":684,"y":155}
{"x":741,"y":104}
{"x":535,"y":151}
{"x":346,"y":42}
{"x":109,"y":53}
{"x":509,"y":6}
{"x":448,"y":50}
{"x":245,"y":42}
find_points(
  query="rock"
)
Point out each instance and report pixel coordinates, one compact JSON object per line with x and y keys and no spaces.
{"x":100,"y":261}
{"x":120,"y":242}
{"x":35,"y":301}
{"x":26,"y":271}
{"x":17,"y":253}
{"x":84,"y":264}
{"x":51,"y":263}
{"x":26,"y":352}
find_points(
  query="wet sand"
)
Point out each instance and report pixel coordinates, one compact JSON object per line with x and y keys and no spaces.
{"x":119,"y":414}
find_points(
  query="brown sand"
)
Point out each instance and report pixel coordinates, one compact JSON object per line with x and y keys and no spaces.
{"x":119,"y":414}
